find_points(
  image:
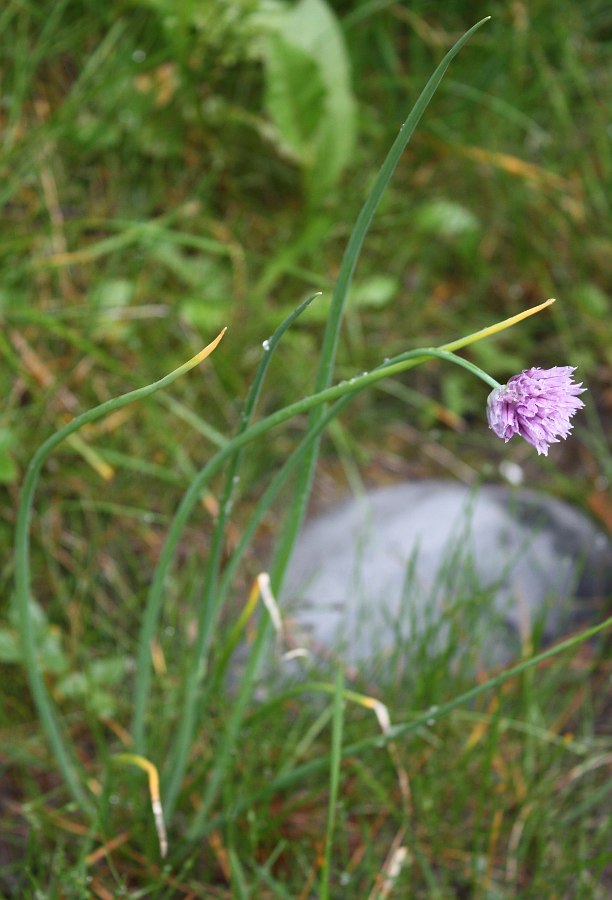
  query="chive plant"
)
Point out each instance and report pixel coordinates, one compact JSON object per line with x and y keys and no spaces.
{"x":201,"y":681}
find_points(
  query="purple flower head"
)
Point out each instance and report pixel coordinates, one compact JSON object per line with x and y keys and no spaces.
{"x":537,"y":404}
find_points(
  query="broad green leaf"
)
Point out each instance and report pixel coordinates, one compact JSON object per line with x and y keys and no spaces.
{"x":311,"y":30}
{"x":295,"y":97}
{"x":52,"y":657}
{"x":112,"y":292}
{"x":92,"y":686}
{"x":109,"y":295}
{"x":102,"y":703}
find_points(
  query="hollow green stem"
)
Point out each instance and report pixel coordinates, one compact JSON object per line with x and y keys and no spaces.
{"x":210,"y":602}
{"x":341,"y":393}
{"x":348,"y":265}
{"x":187,"y":721}
{"x":65,"y":759}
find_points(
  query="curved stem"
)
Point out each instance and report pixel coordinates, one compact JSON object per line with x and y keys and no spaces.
{"x":348,"y":265}
{"x":343,"y":391}
{"x":65,"y":759}
{"x":208,"y":606}
{"x":187,"y":722}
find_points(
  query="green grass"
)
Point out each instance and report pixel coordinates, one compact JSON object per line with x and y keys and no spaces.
{"x":148,"y":203}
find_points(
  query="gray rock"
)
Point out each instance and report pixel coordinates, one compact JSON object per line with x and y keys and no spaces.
{"x":445,"y":566}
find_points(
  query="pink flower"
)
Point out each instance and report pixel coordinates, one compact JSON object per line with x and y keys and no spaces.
{"x":537,"y":404}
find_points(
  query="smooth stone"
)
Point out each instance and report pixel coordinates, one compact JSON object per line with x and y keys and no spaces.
{"x":486,"y":569}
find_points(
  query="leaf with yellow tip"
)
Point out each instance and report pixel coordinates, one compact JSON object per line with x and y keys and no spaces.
{"x":494,"y":329}
{"x":132,"y":759}
{"x":65,"y":756}
{"x":260,"y":588}
{"x":199,"y":357}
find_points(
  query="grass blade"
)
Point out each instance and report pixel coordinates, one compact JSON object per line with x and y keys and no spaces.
{"x":334,"y":782}
{"x":211,"y":601}
{"x":300,"y":773}
{"x":44,"y":704}
{"x":345,"y":276}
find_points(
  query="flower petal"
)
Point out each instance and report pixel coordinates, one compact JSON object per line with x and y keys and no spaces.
{"x":537,"y":404}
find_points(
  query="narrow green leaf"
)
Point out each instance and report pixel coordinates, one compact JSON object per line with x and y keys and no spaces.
{"x":303,"y":486}
{"x":334,"y":782}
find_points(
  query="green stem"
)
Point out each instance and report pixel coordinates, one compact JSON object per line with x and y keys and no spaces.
{"x":65,"y":759}
{"x":210,"y":603}
{"x":187,"y":722}
{"x":347,"y":268}
{"x":334,"y":782}
{"x":275,"y":485}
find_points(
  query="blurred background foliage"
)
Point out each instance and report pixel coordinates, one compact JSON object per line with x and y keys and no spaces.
{"x":169,"y":168}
